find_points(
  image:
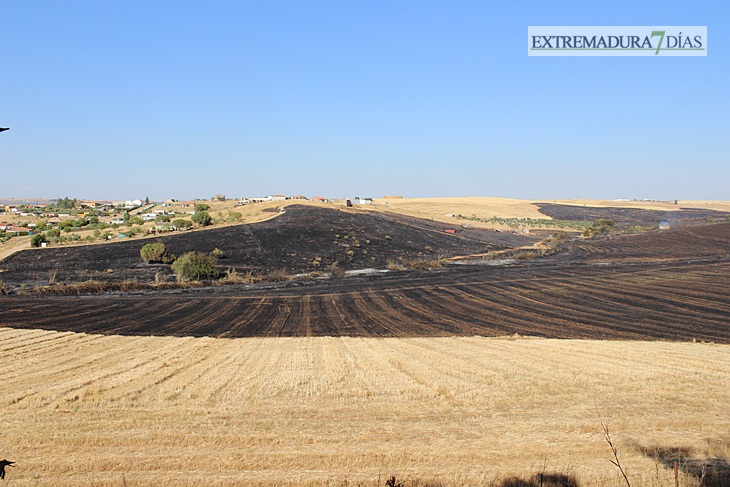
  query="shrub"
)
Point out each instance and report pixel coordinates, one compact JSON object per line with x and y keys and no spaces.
{"x":202,"y":218}
{"x":525,"y":254}
{"x":37,"y":239}
{"x":199,"y":207}
{"x":195,"y":265}
{"x":155,"y":253}
{"x":135,"y":220}
{"x":181,"y":223}
{"x":218,"y":253}
{"x":394,"y":265}
{"x":278,"y":275}
{"x":600,"y":227}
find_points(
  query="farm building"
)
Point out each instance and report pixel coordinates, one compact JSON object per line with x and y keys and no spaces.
{"x":320,"y":199}
{"x":362,"y":201}
{"x":164,"y":226}
{"x":255,"y":199}
{"x":133,"y":204}
{"x":14,"y":229}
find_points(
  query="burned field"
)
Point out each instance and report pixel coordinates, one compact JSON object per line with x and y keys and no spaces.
{"x":670,"y":285}
{"x":626,"y":217}
{"x":302,"y":239}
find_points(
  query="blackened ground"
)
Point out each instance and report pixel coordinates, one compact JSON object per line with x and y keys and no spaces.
{"x":670,"y":285}
{"x":626,"y":217}
{"x":301,"y":240}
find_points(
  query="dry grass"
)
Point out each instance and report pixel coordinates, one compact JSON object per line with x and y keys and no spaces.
{"x":424,"y":264}
{"x":650,"y":205}
{"x":87,"y":410}
{"x":438,"y":208}
{"x":485,"y":207}
{"x":232,"y":276}
{"x":100,"y":287}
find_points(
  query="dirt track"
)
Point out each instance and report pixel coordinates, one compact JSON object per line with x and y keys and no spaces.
{"x":663,"y":285}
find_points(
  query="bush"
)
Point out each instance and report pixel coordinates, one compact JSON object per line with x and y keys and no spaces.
{"x":195,"y":265}
{"x":202,"y":218}
{"x":37,"y":239}
{"x":201,"y":207}
{"x":155,"y":253}
{"x":135,"y":220}
{"x":600,"y":227}
{"x":181,"y":223}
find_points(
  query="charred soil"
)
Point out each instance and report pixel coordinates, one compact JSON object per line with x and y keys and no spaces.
{"x":670,"y":285}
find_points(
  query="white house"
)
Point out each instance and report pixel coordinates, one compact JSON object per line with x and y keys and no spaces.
{"x":133,"y":203}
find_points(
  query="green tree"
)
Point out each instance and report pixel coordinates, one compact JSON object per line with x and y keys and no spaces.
{"x":155,"y":253}
{"x":201,"y":207}
{"x":66,"y":203}
{"x":181,"y":223}
{"x":133,"y":220}
{"x":202,"y":218}
{"x":195,"y":265}
{"x":37,"y":239}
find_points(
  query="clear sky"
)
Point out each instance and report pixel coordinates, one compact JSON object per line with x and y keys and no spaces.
{"x":121,"y":99}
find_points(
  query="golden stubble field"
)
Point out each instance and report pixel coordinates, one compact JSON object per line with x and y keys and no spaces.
{"x":97,"y":410}
{"x":488,"y":207}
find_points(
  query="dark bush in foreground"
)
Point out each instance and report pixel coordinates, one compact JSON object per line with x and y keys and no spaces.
{"x":155,"y":253}
{"x":195,"y":265}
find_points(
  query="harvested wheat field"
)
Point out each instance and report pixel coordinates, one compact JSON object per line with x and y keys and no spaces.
{"x":84,"y":409}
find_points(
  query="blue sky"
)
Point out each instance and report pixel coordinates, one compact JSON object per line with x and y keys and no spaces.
{"x":127,"y":99}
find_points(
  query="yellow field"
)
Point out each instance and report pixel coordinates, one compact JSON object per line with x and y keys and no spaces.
{"x":439,"y":209}
{"x":651,"y":205}
{"x":101,"y":410}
